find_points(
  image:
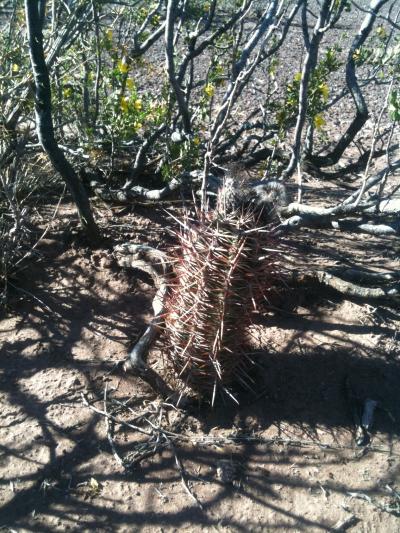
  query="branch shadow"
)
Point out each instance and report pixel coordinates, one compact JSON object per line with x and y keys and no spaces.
{"x":51,"y":446}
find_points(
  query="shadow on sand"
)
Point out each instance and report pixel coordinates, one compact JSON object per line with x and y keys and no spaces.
{"x":298,"y":391}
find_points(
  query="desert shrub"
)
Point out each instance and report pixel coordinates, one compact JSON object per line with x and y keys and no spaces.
{"x":149,"y":92}
{"x":14,"y":226}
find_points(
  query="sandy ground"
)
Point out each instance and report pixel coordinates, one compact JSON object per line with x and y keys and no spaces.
{"x":290,"y":445}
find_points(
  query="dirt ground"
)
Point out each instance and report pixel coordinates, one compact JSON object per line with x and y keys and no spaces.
{"x":290,"y":446}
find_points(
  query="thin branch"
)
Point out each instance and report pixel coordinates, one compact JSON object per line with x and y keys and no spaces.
{"x":308,"y":67}
{"x":170,"y":62}
{"x":351,"y":79}
{"x":347,"y":288}
{"x":183,"y":477}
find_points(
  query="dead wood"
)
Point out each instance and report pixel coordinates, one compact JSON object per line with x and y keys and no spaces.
{"x":364,"y":276}
{"x":130,"y":195}
{"x":154,"y":262}
{"x":383,"y":228}
{"x":346,"y":288}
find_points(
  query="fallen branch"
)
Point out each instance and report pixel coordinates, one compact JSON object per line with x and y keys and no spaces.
{"x":155,"y":263}
{"x":182,"y":473}
{"x":318,"y":219}
{"x":109,"y":429}
{"x":318,"y":213}
{"x":127,"y":196}
{"x":347,"y":288}
{"x":159,"y":439}
{"x":363,"y":276}
{"x":339,"y":216}
{"x":317,"y":216}
{"x":112,"y":417}
{"x":393,"y":508}
{"x":170,"y":437}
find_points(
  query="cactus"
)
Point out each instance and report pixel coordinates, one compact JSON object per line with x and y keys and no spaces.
{"x":223,"y":274}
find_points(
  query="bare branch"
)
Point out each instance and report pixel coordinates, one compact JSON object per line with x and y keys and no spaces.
{"x":347,"y":288}
{"x":351,"y":79}
{"x":170,"y":60}
{"x":45,"y":122}
{"x":137,"y":193}
{"x":308,"y":67}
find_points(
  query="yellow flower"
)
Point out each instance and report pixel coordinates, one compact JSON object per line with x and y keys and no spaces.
{"x":109,"y":34}
{"x":209,"y":89}
{"x":272,"y":70}
{"x":323,"y":87}
{"x":15,"y":68}
{"x":137,"y":125}
{"x":67,"y":92}
{"x":196,"y":141}
{"x":381,"y":32}
{"x":21,"y":15}
{"x":319,"y":121}
{"x":297,"y":76}
{"x":155,"y":20}
{"x":124,"y":104}
{"x":130,"y":84}
{"x":138,"y":105}
{"x":123,"y":66}
{"x":357,"y":54}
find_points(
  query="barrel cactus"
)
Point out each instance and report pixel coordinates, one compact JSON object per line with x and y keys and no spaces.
{"x":224,"y":267}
